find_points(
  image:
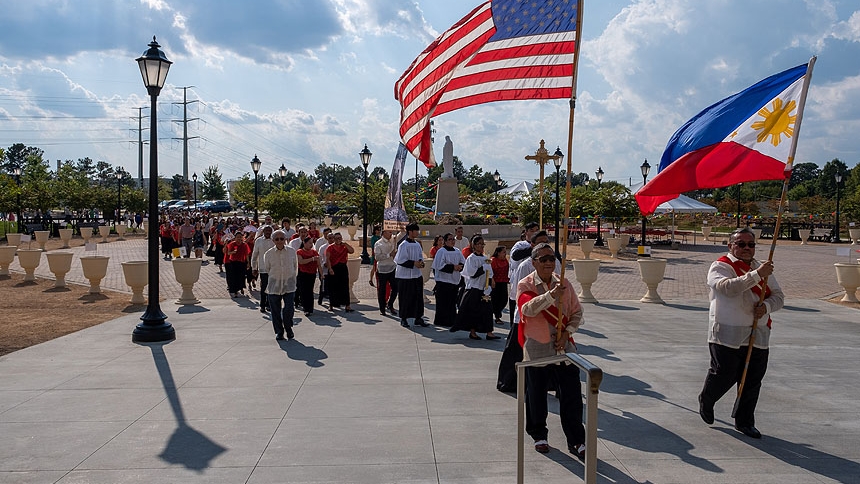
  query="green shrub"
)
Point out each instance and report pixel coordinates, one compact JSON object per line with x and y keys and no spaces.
{"x":473,"y":221}
{"x":426,"y":221}
{"x":503,"y":221}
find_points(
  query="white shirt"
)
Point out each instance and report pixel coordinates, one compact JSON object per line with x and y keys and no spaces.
{"x":444,"y":256}
{"x":512,"y":268}
{"x":382,"y":251}
{"x":461,"y":243}
{"x":282,"y":267}
{"x":261,"y":245}
{"x":473,"y":263}
{"x":408,"y":251}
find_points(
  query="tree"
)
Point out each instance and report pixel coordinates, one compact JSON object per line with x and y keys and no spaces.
{"x":376,"y":192}
{"x":242,"y":191}
{"x":16,"y":156}
{"x":179,"y":188}
{"x":615,"y":202}
{"x":213,"y":187}
{"x":291,"y":203}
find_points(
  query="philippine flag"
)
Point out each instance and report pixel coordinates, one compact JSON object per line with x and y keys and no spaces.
{"x":746,"y":137}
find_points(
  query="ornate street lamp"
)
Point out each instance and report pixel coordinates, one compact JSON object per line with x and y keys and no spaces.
{"x":838,"y":181}
{"x":154,"y":326}
{"x":255,"y":165}
{"x":17,"y":172}
{"x":118,"y":195}
{"x":559,"y":157}
{"x":365,"y":155}
{"x":645,"y":168}
{"x":599,"y":175}
{"x":498,"y":179}
{"x":194,"y":177}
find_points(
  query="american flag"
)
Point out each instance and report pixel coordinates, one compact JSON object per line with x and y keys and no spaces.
{"x":503,"y":50}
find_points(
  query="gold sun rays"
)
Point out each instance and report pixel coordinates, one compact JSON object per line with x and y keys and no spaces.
{"x":778,"y":121}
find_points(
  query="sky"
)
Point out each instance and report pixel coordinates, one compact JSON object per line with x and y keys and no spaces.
{"x":301,"y":83}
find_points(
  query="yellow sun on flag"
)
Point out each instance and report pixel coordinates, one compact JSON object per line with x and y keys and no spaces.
{"x":777,"y":121}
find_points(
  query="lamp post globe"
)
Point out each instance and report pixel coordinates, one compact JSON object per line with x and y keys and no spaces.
{"x":154,"y":326}
{"x":836,"y":238}
{"x":255,"y":166}
{"x":558,"y":157}
{"x":644,"y":168}
{"x":365,"y":155}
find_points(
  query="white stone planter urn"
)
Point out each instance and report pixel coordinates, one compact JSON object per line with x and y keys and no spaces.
{"x":187,"y":273}
{"x":351,"y":230}
{"x":489,"y":248}
{"x":120,"y":230}
{"x":854,"y":234}
{"x":587,"y":245}
{"x":615,"y":244}
{"x":804,"y":235}
{"x":706,"y":232}
{"x":14,"y":239}
{"x":353,"y":265}
{"x":136,"y":273}
{"x":104,"y":231}
{"x":29,"y":260}
{"x":586,"y":271}
{"x":42,"y":238}
{"x":652,"y":271}
{"x":757,"y":233}
{"x":66,"y":237}
{"x":95,"y":269}
{"x":7,"y":255}
{"x":848,"y":276}
{"x":60,"y":263}
{"x":86,"y":234}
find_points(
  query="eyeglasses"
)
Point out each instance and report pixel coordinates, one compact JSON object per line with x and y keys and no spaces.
{"x":744,"y":245}
{"x":546,"y":258}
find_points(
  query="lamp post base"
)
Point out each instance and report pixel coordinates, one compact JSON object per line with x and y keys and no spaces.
{"x":153,"y":328}
{"x":365,"y":258}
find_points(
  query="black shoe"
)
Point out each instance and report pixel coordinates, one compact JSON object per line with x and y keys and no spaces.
{"x":392,"y":310}
{"x":382,"y":311}
{"x":577,"y":450}
{"x":263,"y":309}
{"x":404,"y":323}
{"x":706,"y":412}
{"x":492,"y":337}
{"x":420,"y":322}
{"x":279,"y":337}
{"x":290,"y":334}
{"x":474,"y":336}
{"x":749,"y":431}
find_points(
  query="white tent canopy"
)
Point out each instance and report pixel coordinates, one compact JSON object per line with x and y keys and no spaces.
{"x":518,"y":190}
{"x":682,"y":204}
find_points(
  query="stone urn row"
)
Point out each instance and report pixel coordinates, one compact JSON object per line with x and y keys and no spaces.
{"x":136,"y":274}
{"x":615,"y":244}
{"x":706,"y":232}
{"x":29,"y":260}
{"x":60,"y":263}
{"x":586,"y":271}
{"x":95,"y":269}
{"x":66,"y":237}
{"x":104,"y":231}
{"x":7,"y":255}
{"x":86,"y":234}
{"x":848,"y":276}
{"x":587,"y":245}
{"x":120,"y":231}
{"x":854,"y":234}
{"x":804,"y":235}
{"x":652,"y":271}
{"x":351,"y":230}
{"x":14,"y":239}
{"x":42,"y":238}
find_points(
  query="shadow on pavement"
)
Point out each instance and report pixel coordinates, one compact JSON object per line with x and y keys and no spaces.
{"x":296,"y":350}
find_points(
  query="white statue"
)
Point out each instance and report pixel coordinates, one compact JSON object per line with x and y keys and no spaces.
{"x":448,"y":158}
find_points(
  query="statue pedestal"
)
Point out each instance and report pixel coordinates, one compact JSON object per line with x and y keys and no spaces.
{"x":447,"y":196}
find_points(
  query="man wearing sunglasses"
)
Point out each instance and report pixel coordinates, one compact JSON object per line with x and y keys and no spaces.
{"x":735,"y":283}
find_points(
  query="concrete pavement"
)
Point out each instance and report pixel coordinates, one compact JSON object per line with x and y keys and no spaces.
{"x":357,"y":399}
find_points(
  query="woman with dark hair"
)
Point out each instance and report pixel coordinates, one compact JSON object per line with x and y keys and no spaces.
{"x":309,"y":269}
{"x":236,"y":258}
{"x":476,"y":311}
{"x":499,"y":296}
{"x":337,"y":279}
{"x":447,"y":266}
{"x":438,"y":243}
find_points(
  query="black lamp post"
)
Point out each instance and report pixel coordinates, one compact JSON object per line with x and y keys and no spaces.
{"x":17,"y":172}
{"x":194,"y":178}
{"x":255,"y":165}
{"x":154,"y":326}
{"x":118,"y":195}
{"x":498,"y":179}
{"x":365,"y":155}
{"x":557,"y":162}
{"x":599,"y":175}
{"x":738,"y":215}
{"x":645,"y":168}
{"x":838,"y":181}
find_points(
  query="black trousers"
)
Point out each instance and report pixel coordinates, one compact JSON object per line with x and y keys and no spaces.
{"x":305,"y":290}
{"x":411,"y":292}
{"x":264,"y":283}
{"x":499,"y":297}
{"x":384,"y":279}
{"x":446,"y":304}
{"x":512,"y":355}
{"x":727,"y":366}
{"x":569,"y":390}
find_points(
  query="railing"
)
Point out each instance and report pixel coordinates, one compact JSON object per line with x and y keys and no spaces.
{"x":593,"y":380}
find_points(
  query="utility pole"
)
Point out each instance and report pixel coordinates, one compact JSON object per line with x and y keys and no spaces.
{"x":140,"y":142}
{"x":185,"y":102}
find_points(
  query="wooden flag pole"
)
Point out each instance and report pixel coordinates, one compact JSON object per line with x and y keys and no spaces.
{"x":788,"y":168}
{"x":564,"y":222}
